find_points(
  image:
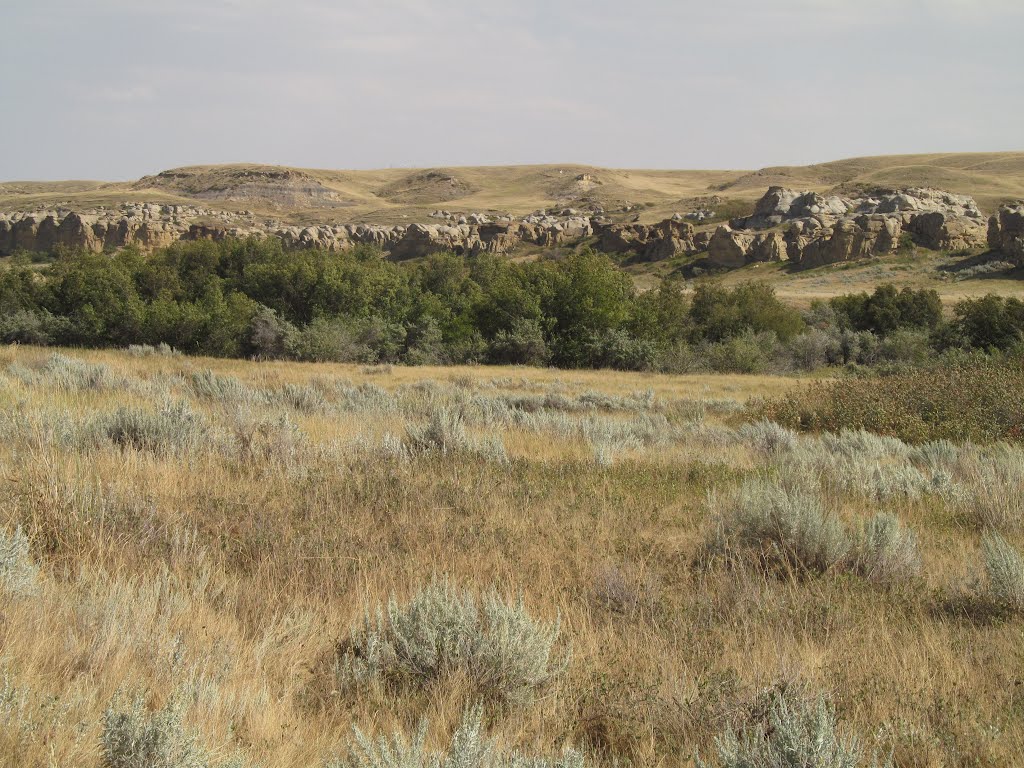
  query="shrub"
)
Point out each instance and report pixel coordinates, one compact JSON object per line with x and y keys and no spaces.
{"x":174,"y":428}
{"x":444,"y":432}
{"x":746,"y":353}
{"x":884,"y":551}
{"x":618,"y":349}
{"x":306,"y":399}
{"x":324,"y":341}
{"x":768,"y":437}
{"x":904,"y":347}
{"x":718,"y":313}
{"x":73,"y":375}
{"x":134,"y":738}
{"x":795,"y":733}
{"x":915,"y":406}
{"x":887,"y":310}
{"x":991,"y":322}
{"x":813,"y":349}
{"x":860,"y":444}
{"x":18,"y":574}
{"x":224,"y":389}
{"x":1003,"y":582}
{"x":469,"y":748}
{"x":991,"y":485}
{"x":523,"y":344}
{"x":270,"y":336}
{"x":148,"y":350}
{"x":787,"y":527}
{"x":26,"y":326}
{"x":506,"y":654}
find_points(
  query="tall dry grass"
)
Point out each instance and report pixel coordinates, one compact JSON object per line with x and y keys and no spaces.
{"x":211,"y":541}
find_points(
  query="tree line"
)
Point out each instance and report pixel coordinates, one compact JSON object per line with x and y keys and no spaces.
{"x":254,"y":298}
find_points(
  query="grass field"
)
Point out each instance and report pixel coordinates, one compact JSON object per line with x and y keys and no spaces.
{"x":213,"y":532}
{"x":394,"y":195}
{"x":949,"y":275}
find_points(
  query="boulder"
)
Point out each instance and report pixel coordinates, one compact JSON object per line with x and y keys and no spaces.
{"x":851,"y":237}
{"x":729,"y":248}
{"x":944,"y":231}
{"x":498,"y":237}
{"x":768,"y":246}
{"x":1006,"y":232}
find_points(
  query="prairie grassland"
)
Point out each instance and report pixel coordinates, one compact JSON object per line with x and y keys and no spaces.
{"x":220,"y":534}
{"x":387,"y":195}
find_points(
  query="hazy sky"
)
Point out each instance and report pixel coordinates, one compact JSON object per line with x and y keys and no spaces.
{"x":114,"y":89}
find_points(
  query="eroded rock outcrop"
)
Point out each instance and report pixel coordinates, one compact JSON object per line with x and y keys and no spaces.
{"x":1006,"y":232}
{"x":805,"y":228}
{"x":827,"y":229}
{"x":650,"y":242}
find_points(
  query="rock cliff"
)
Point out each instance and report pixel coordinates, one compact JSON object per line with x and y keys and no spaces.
{"x":1006,"y":232}
{"x":826,"y":229}
{"x":805,"y":228}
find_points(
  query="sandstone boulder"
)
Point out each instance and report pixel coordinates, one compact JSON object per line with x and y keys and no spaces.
{"x":944,"y":231}
{"x":1006,"y":232}
{"x":729,"y":248}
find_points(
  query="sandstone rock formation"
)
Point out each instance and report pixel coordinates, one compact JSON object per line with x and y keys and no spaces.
{"x":1006,"y":232}
{"x":818,"y":229}
{"x":151,"y":226}
{"x":654,"y":242}
{"x":806,"y":228}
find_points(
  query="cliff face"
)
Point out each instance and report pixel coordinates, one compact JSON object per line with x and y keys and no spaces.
{"x":153,"y":226}
{"x":817,"y":229}
{"x":1006,"y":232}
{"x":804,"y":228}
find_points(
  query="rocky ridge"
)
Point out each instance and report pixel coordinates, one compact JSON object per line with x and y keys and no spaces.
{"x":804,"y":228}
{"x":811,"y":230}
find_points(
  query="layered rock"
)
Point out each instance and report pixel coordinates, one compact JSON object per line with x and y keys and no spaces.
{"x":806,"y":228}
{"x":1006,"y":232}
{"x":151,"y":227}
{"x":654,"y":242}
{"x":848,"y":238}
{"x":819,"y":229}
{"x":729,"y":248}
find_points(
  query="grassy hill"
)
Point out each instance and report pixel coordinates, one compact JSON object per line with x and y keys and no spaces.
{"x":394,"y":195}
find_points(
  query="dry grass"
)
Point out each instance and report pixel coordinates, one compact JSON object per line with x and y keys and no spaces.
{"x":922,"y":269}
{"x":390,"y":195}
{"x":225,"y":575}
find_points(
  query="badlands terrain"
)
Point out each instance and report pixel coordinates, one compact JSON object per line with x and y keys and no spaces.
{"x":917,"y":220}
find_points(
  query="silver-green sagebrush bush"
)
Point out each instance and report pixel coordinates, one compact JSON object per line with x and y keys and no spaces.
{"x":470,"y":748}
{"x":445,"y":433}
{"x":172,"y":429}
{"x":136,"y":738}
{"x":992,"y":482}
{"x":885,"y":551}
{"x":1003,"y":582}
{"x":506,"y":654}
{"x":215,"y":387}
{"x":797,"y":733}
{"x":768,"y":437}
{"x":788,"y":527}
{"x":72,"y":374}
{"x":18,"y":574}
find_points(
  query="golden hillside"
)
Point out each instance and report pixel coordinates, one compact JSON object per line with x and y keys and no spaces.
{"x":393,"y":195}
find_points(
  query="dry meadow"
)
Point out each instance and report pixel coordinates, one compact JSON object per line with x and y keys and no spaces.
{"x":645,"y":567}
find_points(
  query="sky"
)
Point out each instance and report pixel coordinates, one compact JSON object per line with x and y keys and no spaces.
{"x":115,"y":89}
